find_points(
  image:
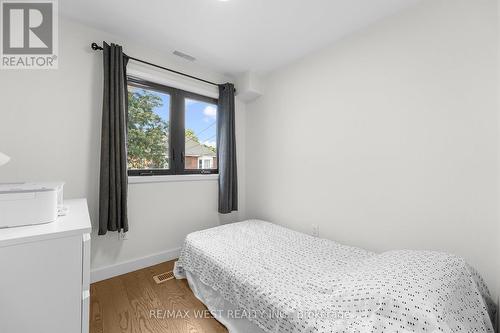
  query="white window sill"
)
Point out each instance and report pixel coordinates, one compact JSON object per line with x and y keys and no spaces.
{"x":171,"y":178}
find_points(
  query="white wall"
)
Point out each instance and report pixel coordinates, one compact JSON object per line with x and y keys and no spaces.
{"x":50,"y":126}
{"x":389,"y":138}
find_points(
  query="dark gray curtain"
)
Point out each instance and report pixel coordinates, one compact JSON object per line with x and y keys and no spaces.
{"x":226,"y":148}
{"x":113,"y":176}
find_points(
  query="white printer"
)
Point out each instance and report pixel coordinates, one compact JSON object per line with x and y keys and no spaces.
{"x":29,"y":203}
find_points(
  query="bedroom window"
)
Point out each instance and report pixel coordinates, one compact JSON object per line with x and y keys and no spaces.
{"x":170,"y":131}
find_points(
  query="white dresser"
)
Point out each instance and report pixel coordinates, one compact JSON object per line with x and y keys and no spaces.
{"x":45,"y":275}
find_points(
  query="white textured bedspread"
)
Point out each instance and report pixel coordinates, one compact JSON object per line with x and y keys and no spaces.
{"x":286,"y":281}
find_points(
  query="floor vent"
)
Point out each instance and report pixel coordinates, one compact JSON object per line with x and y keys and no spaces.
{"x":160,"y":278}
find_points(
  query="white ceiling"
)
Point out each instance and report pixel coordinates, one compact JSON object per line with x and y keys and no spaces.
{"x":236,"y":35}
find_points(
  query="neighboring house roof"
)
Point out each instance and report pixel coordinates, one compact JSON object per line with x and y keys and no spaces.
{"x":197,"y":149}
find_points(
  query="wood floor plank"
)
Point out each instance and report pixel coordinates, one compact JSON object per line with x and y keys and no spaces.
{"x":124,"y":303}
{"x":95,"y":311}
{"x":143,"y":298}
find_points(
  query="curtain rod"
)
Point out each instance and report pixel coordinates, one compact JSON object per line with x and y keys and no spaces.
{"x":96,"y":47}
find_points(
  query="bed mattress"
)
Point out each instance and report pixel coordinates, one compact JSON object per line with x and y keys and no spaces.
{"x":281,"y":280}
{"x":235,"y":320}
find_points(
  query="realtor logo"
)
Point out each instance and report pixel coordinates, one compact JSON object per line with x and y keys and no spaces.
{"x":29,"y":34}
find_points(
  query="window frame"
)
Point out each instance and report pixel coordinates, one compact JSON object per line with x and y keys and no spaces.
{"x":176,"y":139}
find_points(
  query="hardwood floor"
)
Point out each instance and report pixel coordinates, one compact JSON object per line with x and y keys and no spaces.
{"x":129,"y":303}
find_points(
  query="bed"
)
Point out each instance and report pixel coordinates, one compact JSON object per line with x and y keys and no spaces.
{"x":256,"y":276}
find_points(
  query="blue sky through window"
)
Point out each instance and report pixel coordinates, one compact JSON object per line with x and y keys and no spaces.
{"x":201,"y":118}
{"x":164,"y":110}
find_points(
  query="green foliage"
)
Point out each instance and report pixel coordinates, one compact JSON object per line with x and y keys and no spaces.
{"x":190,"y":135}
{"x":147,"y":132}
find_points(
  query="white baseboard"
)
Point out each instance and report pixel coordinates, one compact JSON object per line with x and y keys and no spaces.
{"x":128,"y":266}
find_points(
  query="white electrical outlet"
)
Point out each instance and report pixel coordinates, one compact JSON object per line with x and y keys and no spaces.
{"x":315,"y":230}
